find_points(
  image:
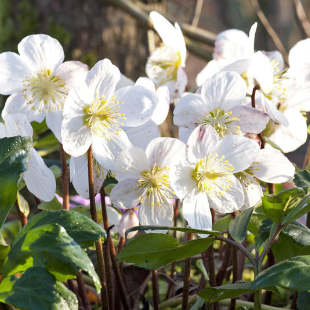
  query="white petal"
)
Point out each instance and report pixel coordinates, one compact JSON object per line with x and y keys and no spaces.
{"x":141,"y":136}
{"x":79,"y":175}
{"x":146,"y":83}
{"x":184,"y":134}
{"x":180,"y":41}
{"x":114,"y":218}
{"x":274,"y":113}
{"x":138,"y":104}
{"x":272,"y":166}
{"x":181,"y":179}
{"x":105,"y":151}
{"x":229,"y":200}
{"x":189,"y":110}
{"x":16,"y":104}
{"x":124,"y":82}
{"x":17,"y":125}
{"x":39,"y":178}
{"x":41,"y":51}
{"x":208,"y":71}
{"x":252,"y":33}
{"x":54,"y":122}
{"x":201,"y":142}
{"x":103,"y":78}
{"x":72,"y":72}
{"x":299,"y":60}
{"x":291,"y":137}
{"x":75,"y":136}
{"x":13,"y":71}
{"x":239,"y":151}
{"x":156,"y":215}
{"x":124,"y":195}
{"x":130,"y":163}
{"x":181,"y":82}
{"x":162,"y":108}
{"x":251,"y":120}
{"x":224,"y":90}
{"x":165,"y":152}
{"x":196,"y":210}
{"x":253,"y":193}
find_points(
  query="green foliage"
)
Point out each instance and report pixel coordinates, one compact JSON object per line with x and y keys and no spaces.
{"x":303,"y":300}
{"x":223,"y":223}
{"x":79,"y":227}
{"x":13,"y":160}
{"x":36,"y":290}
{"x":214,"y":294}
{"x":302,"y":178}
{"x":152,"y":251}
{"x":239,"y":226}
{"x":51,"y":247}
{"x":293,"y":273}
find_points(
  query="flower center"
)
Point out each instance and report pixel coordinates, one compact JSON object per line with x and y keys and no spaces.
{"x":103,"y":117}
{"x":164,"y":64}
{"x":153,"y":186}
{"x":223,"y":122}
{"x":212,"y":174}
{"x":45,"y":92}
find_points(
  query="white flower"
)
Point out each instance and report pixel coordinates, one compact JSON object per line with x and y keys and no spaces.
{"x":220,"y":105}
{"x":128,"y":220}
{"x":144,"y":178}
{"x":206,"y":179}
{"x":38,"y":80}
{"x":94,"y":114}
{"x":270,"y":166}
{"x":166,"y":64}
{"x":39,"y":179}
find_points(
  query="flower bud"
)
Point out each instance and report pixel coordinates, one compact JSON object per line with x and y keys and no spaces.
{"x":129,"y":219}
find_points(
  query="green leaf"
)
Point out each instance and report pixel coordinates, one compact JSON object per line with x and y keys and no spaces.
{"x":182,"y":229}
{"x":276,"y":205}
{"x":81,"y":228}
{"x":302,"y":178}
{"x":239,"y":226}
{"x":223,"y":223}
{"x":293,"y":273}
{"x":298,"y":232}
{"x":299,"y":210}
{"x":36,"y":290}
{"x":51,"y":247}
{"x":213,"y":294}
{"x":152,"y":251}
{"x":52,"y":205}
{"x":13,"y":157}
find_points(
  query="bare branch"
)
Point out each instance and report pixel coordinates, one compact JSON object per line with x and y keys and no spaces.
{"x":302,"y":17}
{"x":273,"y":35}
{"x":197,"y":13}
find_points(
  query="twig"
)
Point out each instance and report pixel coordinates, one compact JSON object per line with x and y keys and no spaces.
{"x":187,"y":274}
{"x":222,"y":271}
{"x":65,"y":179}
{"x":99,"y":251}
{"x":273,"y":35}
{"x":302,"y":17}
{"x":141,"y":290}
{"x":155,"y":289}
{"x":82,"y":291}
{"x":235,"y":276}
{"x":197,"y":12}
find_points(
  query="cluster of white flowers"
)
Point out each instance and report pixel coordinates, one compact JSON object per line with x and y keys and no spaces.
{"x":247,"y":110}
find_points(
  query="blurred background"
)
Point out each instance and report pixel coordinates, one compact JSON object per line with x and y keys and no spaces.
{"x":92,"y":30}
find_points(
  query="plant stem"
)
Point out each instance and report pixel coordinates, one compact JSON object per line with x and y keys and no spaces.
{"x":23,"y":218}
{"x":235,"y":275}
{"x":187,"y":274}
{"x":65,"y":179}
{"x":155,"y":289}
{"x":99,"y":251}
{"x":258,"y":300}
{"x":82,"y":291}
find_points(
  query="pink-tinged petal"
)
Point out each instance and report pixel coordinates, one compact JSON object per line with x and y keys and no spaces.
{"x":13,"y":71}
{"x":103,"y":78}
{"x":201,"y":142}
{"x":41,"y":51}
